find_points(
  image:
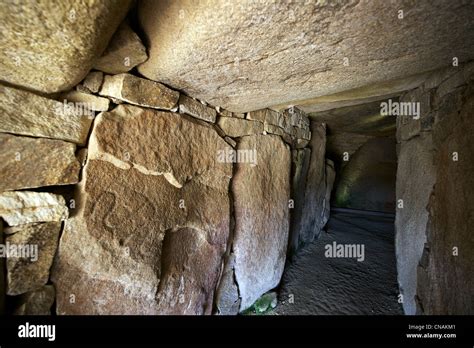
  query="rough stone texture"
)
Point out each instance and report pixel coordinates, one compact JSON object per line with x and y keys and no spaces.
{"x":29,"y":114}
{"x":92,"y":102}
{"x":432,"y":278}
{"x":197,"y":159}
{"x":415,"y":179}
{"x":22,"y":207}
{"x":292,"y":124}
{"x":50,"y":46}
{"x":445,"y":283}
{"x":196,"y":109}
{"x":138,"y":91}
{"x":38,"y":302}
{"x":308,"y":213}
{"x":34,"y":162}
{"x":227,"y":295}
{"x":408,"y":126}
{"x":2,"y":274}
{"x":261,"y":195}
{"x":156,"y":222}
{"x":93,"y":81}
{"x":247,"y":56}
{"x":300,"y":166}
{"x":236,"y":127}
{"x":27,"y":274}
{"x":124,"y":52}
{"x":330,"y":178}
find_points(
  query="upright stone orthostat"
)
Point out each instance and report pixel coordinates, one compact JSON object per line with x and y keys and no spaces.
{"x":261,"y":194}
{"x":153,"y":218}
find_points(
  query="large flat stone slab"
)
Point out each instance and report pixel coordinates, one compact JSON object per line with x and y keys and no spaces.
{"x":26,"y":113}
{"x":34,"y":162}
{"x":155,"y":221}
{"x":50,"y":46}
{"x":250,"y":55}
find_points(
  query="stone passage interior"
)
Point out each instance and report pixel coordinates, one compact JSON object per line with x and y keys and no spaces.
{"x":251,"y":157}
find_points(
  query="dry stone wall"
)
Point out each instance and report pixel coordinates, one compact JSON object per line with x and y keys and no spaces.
{"x":130,"y":197}
{"x":179,"y":207}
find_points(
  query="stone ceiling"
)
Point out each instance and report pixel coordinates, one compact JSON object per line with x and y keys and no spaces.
{"x":249,"y":55}
{"x":245,"y":55}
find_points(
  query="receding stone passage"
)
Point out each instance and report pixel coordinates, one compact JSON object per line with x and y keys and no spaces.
{"x":323,"y":281}
{"x":175,"y":157}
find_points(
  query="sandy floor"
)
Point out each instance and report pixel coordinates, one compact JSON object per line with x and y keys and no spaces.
{"x":322,"y":285}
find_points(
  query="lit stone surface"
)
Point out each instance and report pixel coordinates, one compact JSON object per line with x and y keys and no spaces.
{"x":50,"y":46}
{"x":25,"y":113}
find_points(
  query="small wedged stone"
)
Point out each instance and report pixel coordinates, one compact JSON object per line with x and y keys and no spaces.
{"x":90,"y":101}
{"x":93,"y":81}
{"x":196,"y":109}
{"x":29,"y":271}
{"x":35,"y":162}
{"x":138,"y":91}
{"x":22,"y":207}
{"x":42,"y":117}
{"x":125,"y":51}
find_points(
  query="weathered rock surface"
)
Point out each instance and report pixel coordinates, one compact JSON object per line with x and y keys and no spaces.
{"x":196,"y":109}
{"x":90,"y":101}
{"x":257,"y":47}
{"x":416,"y":175}
{"x":330,"y":178}
{"x":124,"y":52}
{"x":138,"y":91}
{"x":93,"y":81}
{"x":310,"y":190}
{"x":227,"y":295}
{"x":156,"y":222}
{"x":445,"y":282}
{"x":34,"y":162}
{"x":300,"y":166}
{"x":22,"y":207}
{"x":52,"y":53}
{"x":30,"y":271}
{"x":37,"y":302}
{"x":29,"y":114}
{"x":261,"y":194}
{"x":197,"y":159}
{"x":3,"y":287}
{"x":237,"y":127}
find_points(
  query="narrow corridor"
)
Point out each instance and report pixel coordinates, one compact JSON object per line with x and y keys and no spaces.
{"x":319,"y":285}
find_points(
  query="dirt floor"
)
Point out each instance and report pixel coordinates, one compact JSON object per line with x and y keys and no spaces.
{"x":328,"y":286}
